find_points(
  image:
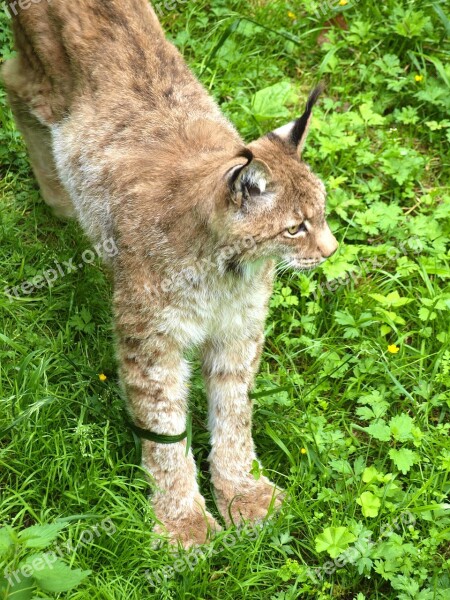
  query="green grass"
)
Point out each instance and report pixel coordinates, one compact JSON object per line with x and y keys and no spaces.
{"x":357,"y":435}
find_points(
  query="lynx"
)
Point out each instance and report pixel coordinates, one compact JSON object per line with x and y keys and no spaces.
{"x":122,"y":136}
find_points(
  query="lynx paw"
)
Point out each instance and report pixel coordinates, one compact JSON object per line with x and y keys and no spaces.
{"x":193,"y":528}
{"x":250,"y":501}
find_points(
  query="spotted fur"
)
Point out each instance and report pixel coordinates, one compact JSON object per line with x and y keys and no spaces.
{"x":124,"y":137}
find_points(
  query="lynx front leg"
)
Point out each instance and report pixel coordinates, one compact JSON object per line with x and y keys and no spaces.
{"x":155,"y":374}
{"x":229,"y":368}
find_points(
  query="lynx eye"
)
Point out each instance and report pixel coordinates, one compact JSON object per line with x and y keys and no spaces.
{"x":296,"y":230}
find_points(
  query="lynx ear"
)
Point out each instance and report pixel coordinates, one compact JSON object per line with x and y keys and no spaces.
{"x":295,"y":133}
{"x":248,"y":181}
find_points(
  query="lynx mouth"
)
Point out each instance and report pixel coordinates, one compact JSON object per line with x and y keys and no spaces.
{"x":305,"y":264}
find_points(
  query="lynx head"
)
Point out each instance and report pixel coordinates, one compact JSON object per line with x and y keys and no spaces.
{"x":274,"y":198}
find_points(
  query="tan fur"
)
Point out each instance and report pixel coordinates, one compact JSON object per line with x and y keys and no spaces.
{"x":122,"y":134}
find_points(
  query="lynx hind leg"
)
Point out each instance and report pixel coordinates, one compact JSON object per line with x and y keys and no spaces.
{"x":37,"y":138}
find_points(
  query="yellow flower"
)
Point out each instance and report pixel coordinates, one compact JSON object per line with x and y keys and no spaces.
{"x":292,"y":15}
{"x":418,"y":78}
{"x":303,"y":451}
{"x":393,"y":349}
{"x":343,"y":2}
{"x":102,"y":377}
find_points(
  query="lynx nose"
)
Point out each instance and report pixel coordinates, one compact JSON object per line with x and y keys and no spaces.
{"x":326,"y":242}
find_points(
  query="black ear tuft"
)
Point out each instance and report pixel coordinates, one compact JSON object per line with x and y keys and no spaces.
{"x":300,"y":128}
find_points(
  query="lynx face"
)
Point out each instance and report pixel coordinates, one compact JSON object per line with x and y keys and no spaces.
{"x":283,"y":209}
{"x":278,"y":201}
